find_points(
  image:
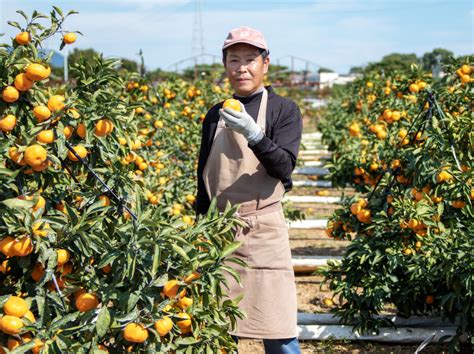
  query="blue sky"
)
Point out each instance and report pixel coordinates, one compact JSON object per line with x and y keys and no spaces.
{"x":337,"y":34}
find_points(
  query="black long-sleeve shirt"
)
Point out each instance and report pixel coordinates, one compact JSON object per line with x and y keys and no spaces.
{"x":278,"y":149}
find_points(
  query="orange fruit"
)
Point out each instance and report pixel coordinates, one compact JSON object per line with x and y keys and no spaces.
{"x":81,"y":130}
{"x":15,"y":306}
{"x":63,"y":256}
{"x":364,"y":216}
{"x":22,"y":83}
{"x":69,"y":38}
{"x":56,"y":103}
{"x":13,"y":343}
{"x":232,"y":104}
{"x":7,"y":123}
{"x":67,"y":131}
{"x":10,"y":94}
{"x":23,"y":38}
{"x":185,"y":302}
{"x":45,"y":136}
{"x":37,"y":72}
{"x":30,"y":316}
{"x":104,"y":127}
{"x":105,"y":200}
{"x":354,"y":129}
{"x":11,"y":324}
{"x":184,"y":324}
{"x":171,"y":288}
{"x":328,"y":302}
{"x":37,"y":347}
{"x":103,"y":348}
{"x":444,"y":176}
{"x":190,"y":198}
{"x":122,"y":141}
{"x":107,"y":269}
{"x":4,"y":267}
{"x":458,"y":204}
{"x":41,"y":167}
{"x":163,"y":326}
{"x":86,"y":302}
{"x":466,"y":69}
{"x":66,"y":269}
{"x":135,"y":333}
{"x":37,"y":272}
{"x":80,"y":150}
{"x":356,"y":208}
{"x":429,"y":300}
{"x":41,"y":113}
{"x":16,"y":156}
{"x":35,"y":155}
{"x":414,"y":88}
{"x":41,"y":203}
{"x":193,"y":276}
{"x":413,"y":224}
{"x":22,"y":247}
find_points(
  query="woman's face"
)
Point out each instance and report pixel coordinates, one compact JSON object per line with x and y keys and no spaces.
{"x":245,"y":68}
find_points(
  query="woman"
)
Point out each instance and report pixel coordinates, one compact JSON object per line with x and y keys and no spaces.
{"x":247,"y":157}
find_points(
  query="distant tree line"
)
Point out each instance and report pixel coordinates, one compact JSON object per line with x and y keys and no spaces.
{"x":394,"y":61}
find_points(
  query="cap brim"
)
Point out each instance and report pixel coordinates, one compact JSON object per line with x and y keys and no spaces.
{"x":246,"y":41}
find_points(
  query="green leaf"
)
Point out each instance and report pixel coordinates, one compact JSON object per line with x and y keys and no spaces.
{"x":58,"y":10}
{"x":230,"y":248}
{"x":103,"y":321}
{"x":156,"y":261}
{"x":180,"y":251}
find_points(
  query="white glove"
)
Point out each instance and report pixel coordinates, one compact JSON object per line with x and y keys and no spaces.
{"x":242,"y":123}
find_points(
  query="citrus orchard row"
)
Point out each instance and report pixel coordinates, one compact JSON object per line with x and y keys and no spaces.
{"x":98,"y":239}
{"x":405,"y":142}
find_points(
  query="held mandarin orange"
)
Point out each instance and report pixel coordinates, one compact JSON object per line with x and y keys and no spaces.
{"x":232,"y":104}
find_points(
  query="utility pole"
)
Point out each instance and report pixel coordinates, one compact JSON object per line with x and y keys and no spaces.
{"x":198,"y":33}
{"x":142,"y":63}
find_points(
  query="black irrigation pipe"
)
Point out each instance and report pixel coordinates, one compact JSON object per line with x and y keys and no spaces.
{"x":119,"y":200}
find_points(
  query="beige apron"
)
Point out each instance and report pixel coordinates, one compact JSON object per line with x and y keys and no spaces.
{"x":233,"y":173}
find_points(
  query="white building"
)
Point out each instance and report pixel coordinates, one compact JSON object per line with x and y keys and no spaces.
{"x":327,"y":80}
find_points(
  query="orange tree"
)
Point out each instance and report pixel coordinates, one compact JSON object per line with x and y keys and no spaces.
{"x":409,"y":146}
{"x":96,"y":238}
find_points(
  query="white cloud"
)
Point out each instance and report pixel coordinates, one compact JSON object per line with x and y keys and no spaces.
{"x":333,"y":34}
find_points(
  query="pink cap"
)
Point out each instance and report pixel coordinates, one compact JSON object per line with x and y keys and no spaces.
{"x":245,"y":35}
